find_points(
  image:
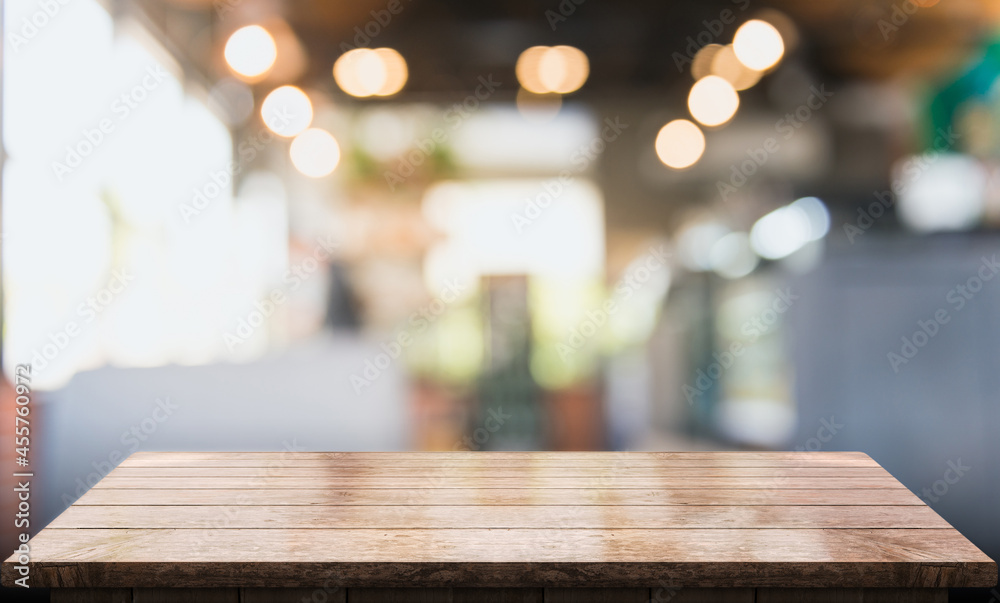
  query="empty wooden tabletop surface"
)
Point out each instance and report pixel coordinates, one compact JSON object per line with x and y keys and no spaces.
{"x":493,"y":519}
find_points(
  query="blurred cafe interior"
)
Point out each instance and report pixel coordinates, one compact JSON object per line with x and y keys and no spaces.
{"x":510,"y":225}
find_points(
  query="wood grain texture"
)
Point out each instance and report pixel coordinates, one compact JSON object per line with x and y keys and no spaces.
{"x":501,"y":483}
{"x":455,"y":521}
{"x":493,"y":496}
{"x":499,"y":517}
{"x":507,"y":459}
{"x":427,"y":472}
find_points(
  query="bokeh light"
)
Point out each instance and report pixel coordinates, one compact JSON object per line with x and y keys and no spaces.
{"x":315,"y":152}
{"x":713,"y":101}
{"x":680,"y":144}
{"x":556,"y":69}
{"x":758,"y":45}
{"x":286,"y":111}
{"x":364,"y":72}
{"x":250,"y":51}
{"x":701,"y":65}
{"x":732,"y":256}
{"x":726,"y":65}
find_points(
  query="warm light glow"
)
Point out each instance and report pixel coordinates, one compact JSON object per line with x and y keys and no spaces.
{"x":559,"y":69}
{"x":701,"y":65}
{"x":526,"y":69}
{"x":315,"y":152}
{"x":713,"y":101}
{"x":287,"y":111}
{"x":395,"y":71}
{"x":728,"y":67}
{"x":366,"y":72}
{"x":680,"y":144}
{"x":758,"y":45}
{"x":250,"y":51}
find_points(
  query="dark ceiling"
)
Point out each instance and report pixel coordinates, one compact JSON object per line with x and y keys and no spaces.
{"x":632,"y":45}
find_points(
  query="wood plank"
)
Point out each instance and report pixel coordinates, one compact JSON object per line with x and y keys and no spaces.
{"x":500,"y":459}
{"x":186,"y":595}
{"x":488,"y":497}
{"x":602,"y":473}
{"x":292,"y":461}
{"x":502,"y":517}
{"x":530,"y":482}
{"x":596,"y":595}
{"x":388,"y":457}
{"x":552,"y":558}
{"x":293,"y":595}
{"x":91,"y":595}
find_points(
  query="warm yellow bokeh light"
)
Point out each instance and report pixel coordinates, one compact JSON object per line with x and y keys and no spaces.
{"x":395,"y":71}
{"x":680,"y":144}
{"x":366,"y":72}
{"x":526,"y":69}
{"x":758,"y":45}
{"x":558,"y":69}
{"x":701,"y":65}
{"x":713,"y":101}
{"x":315,"y":153}
{"x":728,"y":67}
{"x":250,"y":51}
{"x":286,"y":111}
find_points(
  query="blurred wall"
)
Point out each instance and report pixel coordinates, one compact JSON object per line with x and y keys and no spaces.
{"x":930,"y":415}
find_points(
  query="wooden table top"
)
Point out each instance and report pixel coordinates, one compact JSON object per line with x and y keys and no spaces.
{"x":493,"y":519}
